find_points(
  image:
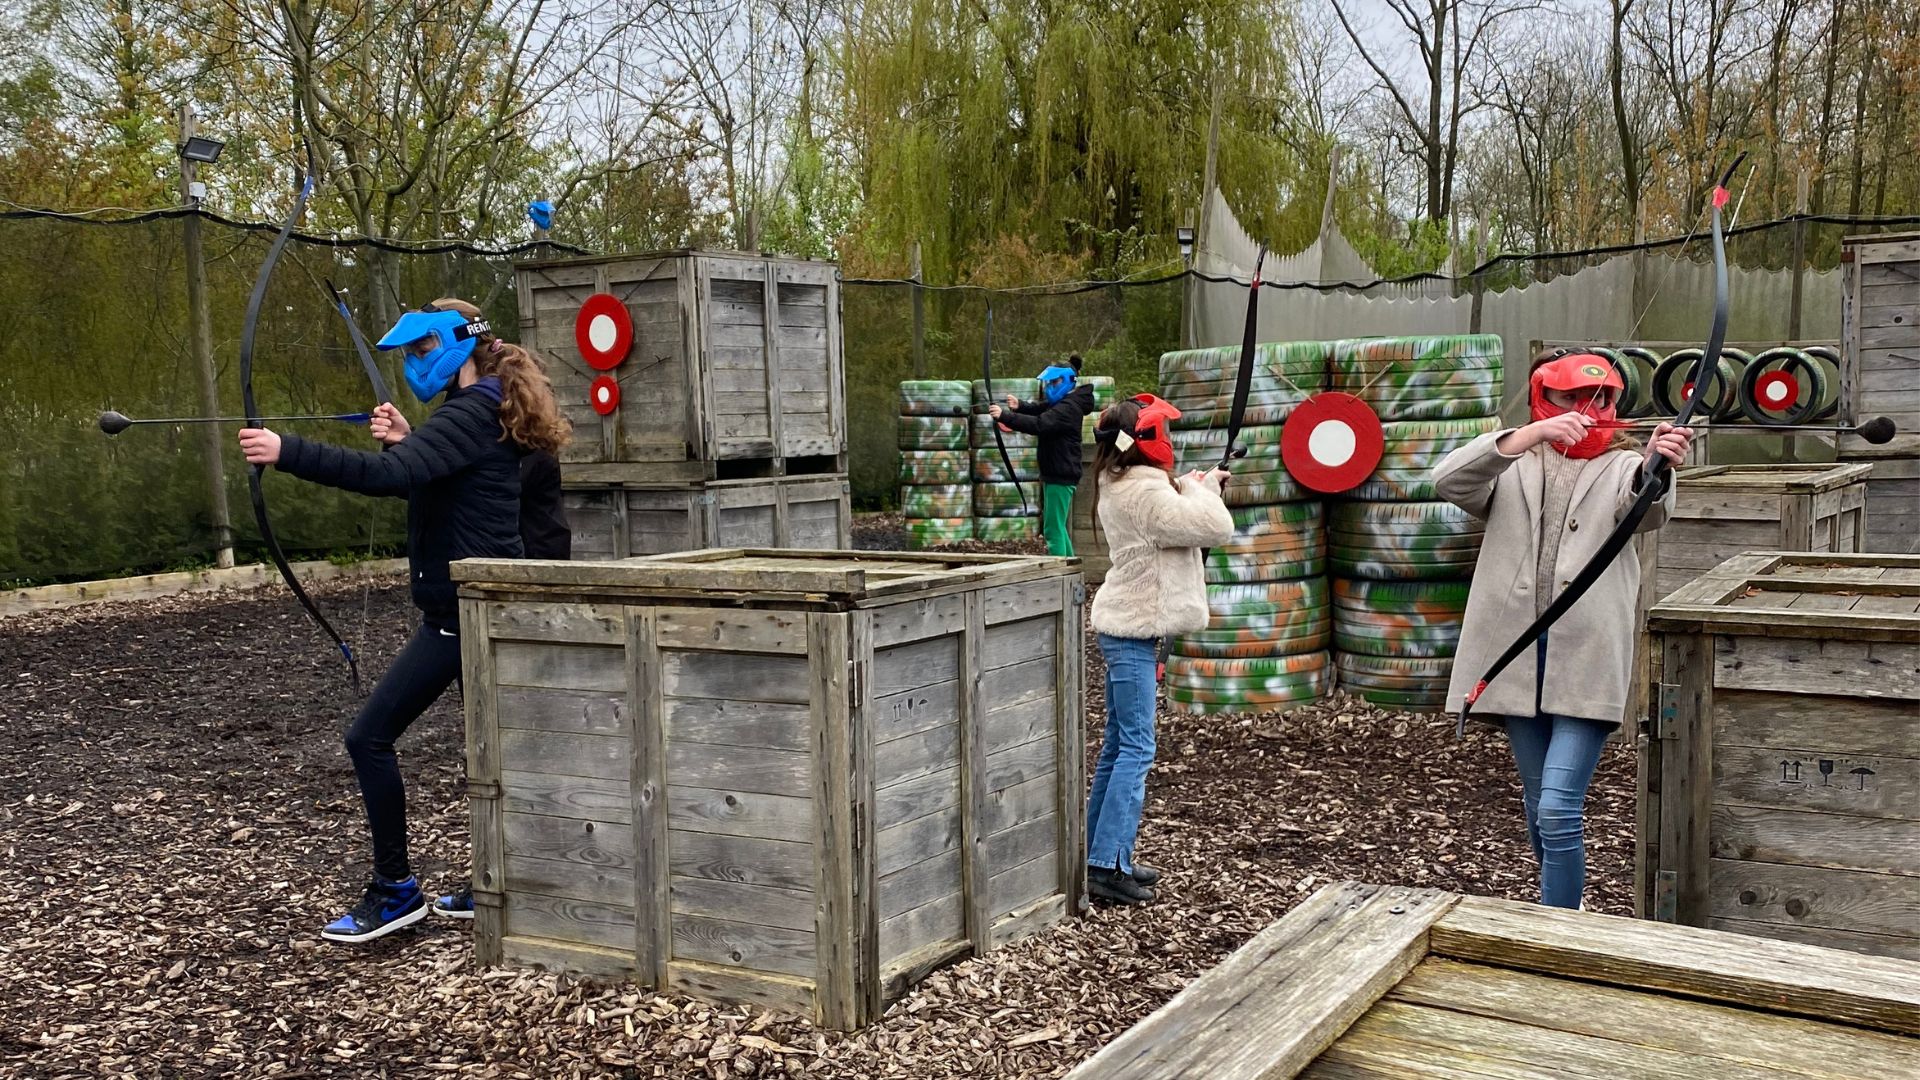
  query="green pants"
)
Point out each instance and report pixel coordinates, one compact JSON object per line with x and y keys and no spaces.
{"x":1056,"y":519}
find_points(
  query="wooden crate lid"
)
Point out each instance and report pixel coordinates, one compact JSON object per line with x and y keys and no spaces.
{"x":670,"y":253}
{"x":746,"y":575}
{"x":1785,"y":479}
{"x":1873,"y":597}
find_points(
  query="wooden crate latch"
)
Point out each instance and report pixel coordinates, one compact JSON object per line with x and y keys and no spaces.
{"x":1665,"y":721}
{"x":1666,"y":892}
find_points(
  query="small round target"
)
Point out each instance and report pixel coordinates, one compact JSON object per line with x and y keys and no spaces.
{"x":603,"y":331}
{"x":1777,"y":390}
{"x":1331,"y":443}
{"x":604,"y":394}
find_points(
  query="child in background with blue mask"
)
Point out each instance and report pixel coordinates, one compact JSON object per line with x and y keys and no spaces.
{"x":1056,"y":420}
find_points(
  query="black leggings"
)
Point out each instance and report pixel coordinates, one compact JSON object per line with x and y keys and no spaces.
{"x":423,"y":670}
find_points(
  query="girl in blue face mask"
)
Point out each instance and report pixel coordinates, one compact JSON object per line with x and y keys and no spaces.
{"x":1056,"y":420}
{"x":460,"y":474}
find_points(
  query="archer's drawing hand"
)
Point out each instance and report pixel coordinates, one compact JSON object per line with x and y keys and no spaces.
{"x":388,"y":425}
{"x":260,"y":446}
{"x":1670,"y":442}
{"x":993,"y":411}
{"x":1565,"y":429}
{"x":1012,"y":402}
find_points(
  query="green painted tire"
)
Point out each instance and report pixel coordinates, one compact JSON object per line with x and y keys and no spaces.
{"x":935,"y":397}
{"x":1431,"y":598}
{"x":1379,"y":568}
{"x":1227,"y":601}
{"x":1024,"y":389}
{"x":919,"y":467}
{"x":1002,"y":530}
{"x":980,"y":434}
{"x":925,"y":533}
{"x":936,"y":501}
{"x":989,"y":469}
{"x":1191,"y":686}
{"x":933,"y":432}
{"x":1422,"y":378}
{"x":1222,"y":570}
{"x":1280,"y":638}
{"x":1000,"y":500}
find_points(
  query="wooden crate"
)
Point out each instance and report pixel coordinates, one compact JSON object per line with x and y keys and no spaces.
{"x":1722,"y":510}
{"x":1880,"y":340}
{"x":1779,"y":789}
{"x":796,"y":780}
{"x":1893,"y":500}
{"x":615,"y":520}
{"x":714,"y":386}
{"x":1362,"y":982}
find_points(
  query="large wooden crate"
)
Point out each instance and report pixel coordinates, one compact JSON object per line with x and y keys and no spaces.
{"x":1880,"y":339}
{"x":1362,"y":982}
{"x":735,"y":368}
{"x":1780,"y":761}
{"x":797,"y":780}
{"x":1721,"y":510}
{"x":616,"y":520}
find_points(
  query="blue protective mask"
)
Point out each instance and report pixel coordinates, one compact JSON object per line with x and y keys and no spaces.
{"x":449,"y":340}
{"x":1057,"y":382}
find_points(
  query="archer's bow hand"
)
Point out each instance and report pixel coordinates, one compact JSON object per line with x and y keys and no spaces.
{"x":387,"y":425}
{"x":260,"y":446}
{"x":1670,"y":442}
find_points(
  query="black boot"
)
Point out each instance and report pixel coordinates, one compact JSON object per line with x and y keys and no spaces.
{"x":1144,"y":874}
{"x":1115,"y":887}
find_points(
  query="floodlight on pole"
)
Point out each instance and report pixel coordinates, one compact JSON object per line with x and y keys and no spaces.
{"x":201,"y":149}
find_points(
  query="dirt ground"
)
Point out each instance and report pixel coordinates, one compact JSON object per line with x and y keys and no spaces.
{"x":178,"y":818}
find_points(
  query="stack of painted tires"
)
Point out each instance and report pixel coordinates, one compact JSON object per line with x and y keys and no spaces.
{"x":1266,"y":645}
{"x":936,"y":498}
{"x":1004,"y":509}
{"x":1400,"y":558}
{"x":1103,"y":392}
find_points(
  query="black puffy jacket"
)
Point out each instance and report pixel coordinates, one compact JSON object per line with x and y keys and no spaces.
{"x":461,"y":482}
{"x":1058,"y":427}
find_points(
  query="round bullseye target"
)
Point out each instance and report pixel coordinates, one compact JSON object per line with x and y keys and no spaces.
{"x":1331,"y":443}
{"x":604,"y":395}
{"x":1777,"y":390}
{"x":603,"y":331}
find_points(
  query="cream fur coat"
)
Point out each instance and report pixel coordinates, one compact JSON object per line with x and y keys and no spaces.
{"x":1590,"y":649}
{"x":1155,"y":531}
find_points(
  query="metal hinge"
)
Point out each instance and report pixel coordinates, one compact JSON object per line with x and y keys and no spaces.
{"x":1666,"y":892}
{"x":1667,"y":712}
{"x":856,"y":683}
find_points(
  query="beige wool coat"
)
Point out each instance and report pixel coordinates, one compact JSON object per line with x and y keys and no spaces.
{"x":1590,"y":648}
{"x":1155,"y":530}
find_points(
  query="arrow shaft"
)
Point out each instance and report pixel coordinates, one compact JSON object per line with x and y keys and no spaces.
{"x":351,"y":418}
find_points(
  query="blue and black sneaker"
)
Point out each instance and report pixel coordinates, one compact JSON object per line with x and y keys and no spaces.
{"x":457,"y":906}
{"x":387,"y":906}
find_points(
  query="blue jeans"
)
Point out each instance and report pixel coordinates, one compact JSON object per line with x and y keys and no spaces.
{"x":1557,"y":756}
{"x":1126,"y":752}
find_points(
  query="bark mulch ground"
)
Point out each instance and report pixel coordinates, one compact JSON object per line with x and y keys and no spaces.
{"x":178,"y":818}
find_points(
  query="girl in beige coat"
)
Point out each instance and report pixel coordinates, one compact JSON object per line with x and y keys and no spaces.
{"x":1155,"y":526}
{"x":1550,"y":492}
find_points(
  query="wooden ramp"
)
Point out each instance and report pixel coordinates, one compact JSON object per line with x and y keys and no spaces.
{"x":1364,"y":981}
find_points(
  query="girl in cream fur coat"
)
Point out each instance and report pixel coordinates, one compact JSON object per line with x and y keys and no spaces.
{"x":1156,"y":525}
{"x":1550,"y":493}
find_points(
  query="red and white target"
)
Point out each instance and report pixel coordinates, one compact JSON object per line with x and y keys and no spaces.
{"x":1331,"y":443}
{"x":603,"y":331}
{"x":604,"y":394}
{"x":1776,"y":391}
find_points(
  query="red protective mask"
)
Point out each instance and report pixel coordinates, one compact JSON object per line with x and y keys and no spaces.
{"x":1149,"y":431}
{"x":1585,"y":375}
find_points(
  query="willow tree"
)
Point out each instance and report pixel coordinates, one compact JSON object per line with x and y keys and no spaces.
{"x":1060,"y":127}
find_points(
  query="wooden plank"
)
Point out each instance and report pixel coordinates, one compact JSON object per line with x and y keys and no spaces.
{"x":1019,"y":764}
{"x":564,"y":919}
{"x":1008,"y":726}
{"x":902,"y":845}
{"x":486,"y":773}
{"x":975,"y":869}
{"x":700,"y":630}
{"x":1011,"y":643}
{"x":1024,"y":802}
{"x":941,"y":921}
{"x":897,"y":716}
{"x":788,"y":909}
{"x":1024,"y":682}
{"x":1013,"y":888}
{"x":589,"y":843}
{"x":1687,"y":689}
{"x":560,"y":666}
{"x":1022,"y":843}
{"x":864,"y":856}
{"x":1007,"y":603}
{"x":560,"y":754}
{"x":572,"y":880}
{"x":735,"y":676}
{"x":740,"y":813}
{"x":587,"y":624}
{"x":583,"y":712}
{"x":744,"y":945}
{"x":646,"y":771}
{"x":1904,"y":948}
{"x":752,"y":770}
{"x":714,"y":982}
{"x":916,"y":798}
{"x":763,"y":725}
{"x":915,"y":666}
{"x":929,"y":751}
{"x":1819,"y":665}
{"x":1776,"y":976}
{"x":1804,"y":838}
{"x":1832,"y":725}
{"x":919,"y":883}
{"x":1887,"y":904}
{"x":567,"y":796}
{"x":777,"y":864}
{"x":1070,"y":742}
{"x":1277,"y":1002}
{"x":1710,"y":1033}
{"x":1801,"y":779}
{"x":839,"y":784}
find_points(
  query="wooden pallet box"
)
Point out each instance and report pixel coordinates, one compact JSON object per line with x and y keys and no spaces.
{"x":613,"y":520}
{"x":1364,"y":982}
{"x":735,"y":367}
{"x":1880,"y":339}
{"x":1779,"y":778}
{"x":800,"y":780}
{"x":1721,"y":510}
